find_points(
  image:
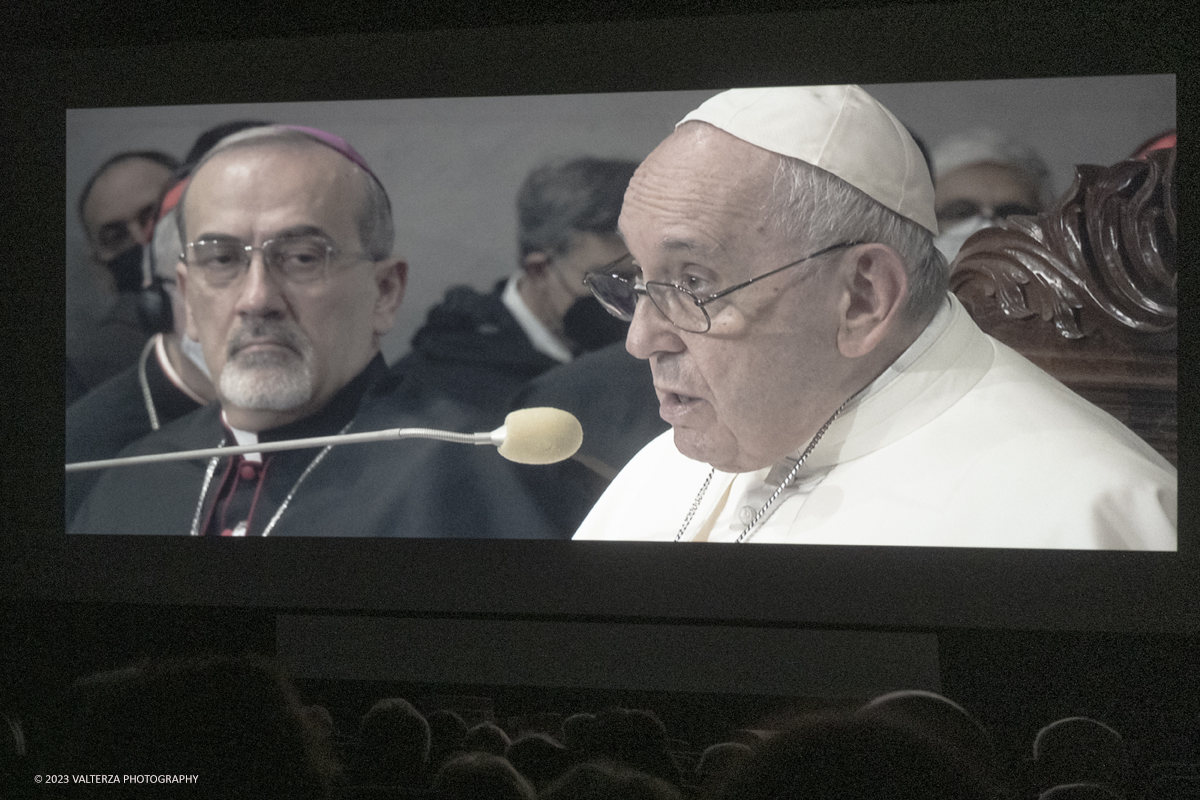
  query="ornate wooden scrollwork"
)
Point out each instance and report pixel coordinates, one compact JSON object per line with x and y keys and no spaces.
{"x":1088,"y":290}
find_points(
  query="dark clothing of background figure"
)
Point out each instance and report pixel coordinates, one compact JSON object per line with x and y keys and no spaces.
{"x":75,"y":388}
{"x":103,"y":339}
{"x":114,"y":415}
{"x":472,"y":350}
{"x":612,"y":394}
{"x":412,"y":488}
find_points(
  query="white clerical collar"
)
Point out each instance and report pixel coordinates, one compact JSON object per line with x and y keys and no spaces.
{"x":949,"y":357}
{"x":935,"y":328}
{"x":914,"y":351}
{"x":243,"y":438}
{"x":867,"y":422}
{"x":539,"y":335}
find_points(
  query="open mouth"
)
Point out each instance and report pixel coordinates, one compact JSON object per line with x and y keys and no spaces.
{"x":675,"y":398}
{"x":673,"y":406}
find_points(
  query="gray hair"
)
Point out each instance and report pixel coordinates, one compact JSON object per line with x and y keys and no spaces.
{"x":819,"y":209}
{"x":376,"y":231}
{"x":583,"y":195}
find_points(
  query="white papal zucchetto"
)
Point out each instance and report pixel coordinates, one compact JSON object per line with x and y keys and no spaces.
{"x":842,"y":130}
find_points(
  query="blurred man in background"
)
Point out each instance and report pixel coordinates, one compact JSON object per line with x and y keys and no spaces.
{"x":117,"y":209}
{"x":481,"y":348}
{"x":979,"y":178}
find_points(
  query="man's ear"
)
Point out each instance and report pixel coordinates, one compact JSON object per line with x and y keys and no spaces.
{"x":875,"y":288}
{"x":391,"y":279}
{"x":536,"y":263}
{"x":181,"y":284}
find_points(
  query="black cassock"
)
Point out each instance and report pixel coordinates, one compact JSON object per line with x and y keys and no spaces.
{"x":113,"y":415}
{"x":412,"y":488}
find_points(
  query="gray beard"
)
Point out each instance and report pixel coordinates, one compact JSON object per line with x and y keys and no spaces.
{"x":267,"y":381}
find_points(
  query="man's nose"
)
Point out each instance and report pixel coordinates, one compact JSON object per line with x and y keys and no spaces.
{"x":141,"y":227}
{"x":650,"y":332}
{"x":141,"y":232}
{"x":259,"y":289}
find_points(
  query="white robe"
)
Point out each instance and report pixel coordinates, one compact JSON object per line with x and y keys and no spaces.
{"x":962,"y":443}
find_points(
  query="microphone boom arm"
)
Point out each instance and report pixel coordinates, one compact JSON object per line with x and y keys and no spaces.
{"x":495,"y":438}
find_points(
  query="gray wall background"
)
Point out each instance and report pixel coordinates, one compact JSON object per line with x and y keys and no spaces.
{"x":453,"y":166}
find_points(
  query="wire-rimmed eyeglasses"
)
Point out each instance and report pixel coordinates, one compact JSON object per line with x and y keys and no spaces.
{"x":297,"y":259}
{"x":617,"y":291}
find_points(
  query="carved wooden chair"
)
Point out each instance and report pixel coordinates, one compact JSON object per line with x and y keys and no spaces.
{"x":1087,"y":290}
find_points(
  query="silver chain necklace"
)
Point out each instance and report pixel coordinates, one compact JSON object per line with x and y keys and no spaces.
{"x":212,"y":469}
{"x":783,"y":484}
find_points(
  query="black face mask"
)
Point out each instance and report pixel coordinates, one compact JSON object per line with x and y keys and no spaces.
{"x":590,"y":327}
{"x":126,"y":267}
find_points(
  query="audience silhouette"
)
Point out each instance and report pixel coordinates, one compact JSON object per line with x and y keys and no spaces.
{"x":237,"y":723}
{"x":482,"y":776}
{"x":393,"y":746}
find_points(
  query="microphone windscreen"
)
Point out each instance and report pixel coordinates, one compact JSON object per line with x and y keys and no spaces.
{"x":540,"y":436}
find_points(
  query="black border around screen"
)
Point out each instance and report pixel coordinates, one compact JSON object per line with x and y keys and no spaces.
{"x":868,"y":587}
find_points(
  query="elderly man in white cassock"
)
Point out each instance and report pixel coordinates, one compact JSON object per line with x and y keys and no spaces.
{"x":822,"y":385}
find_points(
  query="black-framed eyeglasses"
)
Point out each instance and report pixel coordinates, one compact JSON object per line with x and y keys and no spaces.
{"x":615,"y":288}
{"x":297,"y":259}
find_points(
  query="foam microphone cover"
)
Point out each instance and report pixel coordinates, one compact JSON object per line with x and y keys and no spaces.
{"x":540,"y":436}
